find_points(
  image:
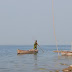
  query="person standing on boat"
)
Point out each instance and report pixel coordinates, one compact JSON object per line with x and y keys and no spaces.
{"x":35,"y":45}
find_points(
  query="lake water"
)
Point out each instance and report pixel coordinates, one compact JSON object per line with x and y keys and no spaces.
{"x":46,"y":61}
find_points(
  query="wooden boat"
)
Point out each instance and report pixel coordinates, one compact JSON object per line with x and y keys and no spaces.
{"x":31,"y":51}
{"x":67,"y":53}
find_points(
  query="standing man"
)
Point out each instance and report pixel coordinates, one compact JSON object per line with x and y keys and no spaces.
{"x":35,"y":45}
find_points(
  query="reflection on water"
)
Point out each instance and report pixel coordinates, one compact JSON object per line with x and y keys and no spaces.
{"x":66,"y":57}
{"x":35,"y":62}
{"x":35,"y":56}
{"x":21,"y":54}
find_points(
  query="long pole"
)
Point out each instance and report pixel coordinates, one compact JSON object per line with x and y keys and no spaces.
{"x":71,"y":46}
{"x":41,"y":48}
{"x":54,"y":26}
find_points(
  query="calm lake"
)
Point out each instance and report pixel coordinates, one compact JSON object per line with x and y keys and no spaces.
{"x":46,"y":61}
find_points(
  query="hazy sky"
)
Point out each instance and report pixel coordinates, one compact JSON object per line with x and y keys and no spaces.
{"x":24,"y":21}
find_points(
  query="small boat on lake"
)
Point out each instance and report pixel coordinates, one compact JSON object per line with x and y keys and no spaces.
{"x":31,"y":51}
{"x":67,"y":53}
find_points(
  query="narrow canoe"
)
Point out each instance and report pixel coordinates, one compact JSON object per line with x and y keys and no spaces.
{"x":31,"y":51}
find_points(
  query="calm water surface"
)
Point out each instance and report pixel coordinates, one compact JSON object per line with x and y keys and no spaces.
{"x":40,"y":62}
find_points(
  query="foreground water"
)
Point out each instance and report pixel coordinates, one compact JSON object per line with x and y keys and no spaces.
{"x":46,"y":61}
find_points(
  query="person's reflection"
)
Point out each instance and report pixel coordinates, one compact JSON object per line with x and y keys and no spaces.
{"x":35,"y":61}
{"x":35,"y":56}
